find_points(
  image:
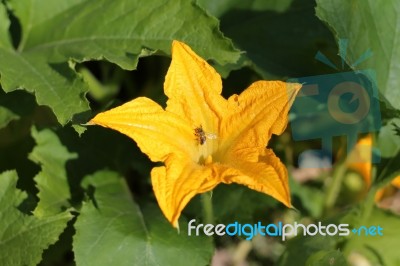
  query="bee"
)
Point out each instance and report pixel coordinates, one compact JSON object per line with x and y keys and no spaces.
{"x":202,"y":136}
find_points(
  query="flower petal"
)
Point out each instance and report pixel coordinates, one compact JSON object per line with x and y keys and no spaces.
{"x":193,"y":88}
{"x":360,"y":158}
{"x":176,"y":183}
{"x":396,"y":182}
{"x":255,"y":114}
{"x":267,"y":174}
{"x":158,"y":133}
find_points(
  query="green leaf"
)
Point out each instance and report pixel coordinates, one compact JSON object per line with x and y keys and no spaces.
{"x":23,"y":237}
{"x":233,"y":203}
{"x":218,"y":8}
{"x":56,"y":34}
{"x":311,"y":199}
{"x":112,"y":229}
{"x":388,"y":169}
{"x":324,"y":258}
{"x":6,"y":116}
{"x":382,"y":250}
{"x":373,"y":25}
{"x":300,"y":249}
{"x":54,"y":85}
{"x":278,"y":44}
{"x":52,"y":180}
{"x":387,"y":111}
{"x":126,"y":30}
{"x":5,"y":40}
{"x":239,"y":203}
{"x":388,"y":140}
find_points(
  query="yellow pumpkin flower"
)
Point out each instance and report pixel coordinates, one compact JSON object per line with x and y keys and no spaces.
{"x":360,"y":157}
{"x":359,"y":160}
{"x":202,"y":138}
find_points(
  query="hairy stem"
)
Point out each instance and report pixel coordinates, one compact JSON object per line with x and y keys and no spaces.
{"x":208,"y":213}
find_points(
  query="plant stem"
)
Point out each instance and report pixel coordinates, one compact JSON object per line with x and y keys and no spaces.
{"x":366,"y":209}
{"x":208,"y":213}
{"x":365,"y":213}
{"x":334,"y":189}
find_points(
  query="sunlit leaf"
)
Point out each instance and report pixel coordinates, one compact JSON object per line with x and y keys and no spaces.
{"x":113,"y":229}
{"x":24,"y":237}
{"x":43,"y":62}
{"x":52,"y":181}
{"x":369,"y":26}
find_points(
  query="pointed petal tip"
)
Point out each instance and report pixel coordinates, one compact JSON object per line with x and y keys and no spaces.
{"x":92,"y":122}
{"x":177,"y":44}
{"x":294,"y":208}
{"x":293,"y":89}
{"x":89,"y":123}
{"x":173,"y":221}
{"x":295,"y":86}
{"x":285,"y":200}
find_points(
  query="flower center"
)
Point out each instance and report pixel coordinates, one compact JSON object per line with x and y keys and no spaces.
{"x":206,"y":145}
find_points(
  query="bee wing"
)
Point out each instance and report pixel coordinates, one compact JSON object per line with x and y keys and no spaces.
{"x":210,"y":135}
